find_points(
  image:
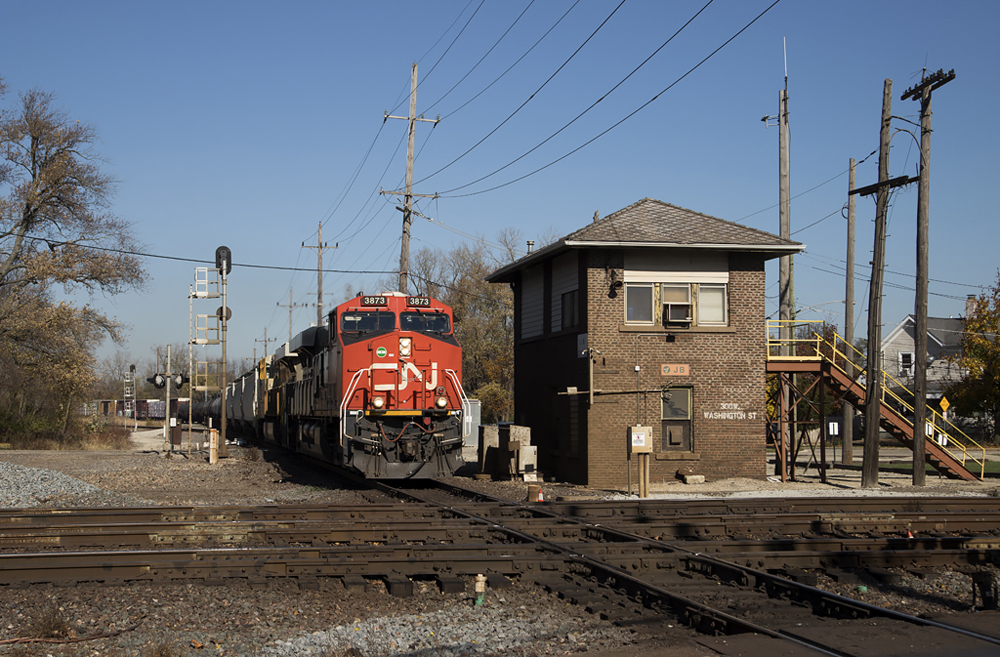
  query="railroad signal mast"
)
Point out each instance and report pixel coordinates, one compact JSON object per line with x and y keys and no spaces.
{"x":162,"y":382}
{"x":210,"y":376}
{"x":129,"y":396}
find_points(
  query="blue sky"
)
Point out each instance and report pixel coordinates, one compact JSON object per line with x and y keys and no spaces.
{"x":249,"y":123}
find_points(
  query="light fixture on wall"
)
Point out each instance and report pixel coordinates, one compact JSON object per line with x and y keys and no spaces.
{"x":615,"y":285}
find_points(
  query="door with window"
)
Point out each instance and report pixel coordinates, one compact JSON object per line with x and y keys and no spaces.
{"x":675,"y":425}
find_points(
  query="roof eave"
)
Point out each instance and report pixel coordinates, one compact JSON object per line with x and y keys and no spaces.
{"x":503,"y":275}
{"x":777,"y":248}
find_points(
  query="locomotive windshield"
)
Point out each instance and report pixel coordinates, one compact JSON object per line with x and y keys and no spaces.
{"x":367,"y":321}
{"x":424,"y":322}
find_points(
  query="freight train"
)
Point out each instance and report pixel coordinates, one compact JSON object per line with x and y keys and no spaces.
{"x":377,"y":391}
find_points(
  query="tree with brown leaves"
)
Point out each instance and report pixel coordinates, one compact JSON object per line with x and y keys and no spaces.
{"x":977,"y":395}
{"x":55,"y":230}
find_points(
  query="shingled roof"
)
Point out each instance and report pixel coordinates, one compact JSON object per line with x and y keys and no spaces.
{"x":654,"y":224}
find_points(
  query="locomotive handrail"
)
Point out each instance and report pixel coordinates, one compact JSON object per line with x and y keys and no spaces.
{"x":347,"y":397}
{"x":466,"y":404}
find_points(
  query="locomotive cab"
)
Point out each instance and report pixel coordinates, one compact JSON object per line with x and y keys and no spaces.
{"x":403,"y":406}
{"x":378,"y":390}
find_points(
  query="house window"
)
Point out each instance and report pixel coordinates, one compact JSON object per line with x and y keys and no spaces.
{"x":570,"y":309}
{"x":712,"y":305}
{"x":675,"y":425}
{"x":677,"y":305}
{"x":906,"y":363}
{"x":639,"y":303}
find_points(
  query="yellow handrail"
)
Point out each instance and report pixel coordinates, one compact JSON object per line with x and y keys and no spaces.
{"x":849,"y":360}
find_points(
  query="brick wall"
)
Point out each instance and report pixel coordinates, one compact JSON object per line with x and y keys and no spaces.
{"x":726,"y":373}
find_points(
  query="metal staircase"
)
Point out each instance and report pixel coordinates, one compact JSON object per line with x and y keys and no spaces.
{"x":842,"y":367}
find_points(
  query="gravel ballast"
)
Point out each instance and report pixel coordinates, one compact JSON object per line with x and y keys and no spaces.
{"x":282,"y":619}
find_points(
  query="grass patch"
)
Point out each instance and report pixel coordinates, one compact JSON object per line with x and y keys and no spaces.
{"x":52,"y":624}
{"x":104,"y":437}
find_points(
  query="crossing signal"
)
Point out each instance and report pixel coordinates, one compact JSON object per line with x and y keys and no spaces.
{"x":179,"y":380}
{"x":158,"y":380}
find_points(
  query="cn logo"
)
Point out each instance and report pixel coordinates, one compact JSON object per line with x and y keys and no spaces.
{"x":409,"y":373}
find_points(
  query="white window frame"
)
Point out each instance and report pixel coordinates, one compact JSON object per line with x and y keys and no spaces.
{"x":660,"y":311}
{"x":652,"y":303}
{"x":725,"y":304}
{"x":906,"y":369}
{"x":667,"y":315}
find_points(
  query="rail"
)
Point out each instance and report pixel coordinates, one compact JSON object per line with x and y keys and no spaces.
{"x":832,"y":348}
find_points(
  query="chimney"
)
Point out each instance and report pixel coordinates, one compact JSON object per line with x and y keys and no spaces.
{"x":970,"y":305}
{"x":597,"y":215}
{"x":531,"y":245}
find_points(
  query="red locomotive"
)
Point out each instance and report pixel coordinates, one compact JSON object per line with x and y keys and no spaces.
{"x":378,"y":391}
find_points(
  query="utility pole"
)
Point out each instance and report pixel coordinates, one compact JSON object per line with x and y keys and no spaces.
{"x":923,"y":92}
{"x":289,"y":305}
{"x":847,"y":430}
{"x":265,"y":341}
{"x":320,"y":247}
{"x":404,"y":254}
{"x":873,"y":381}
{"x":869,"y":467}
{"x":786,"y":286}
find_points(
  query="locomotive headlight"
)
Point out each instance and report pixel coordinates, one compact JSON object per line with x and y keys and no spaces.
{"x":441,"y":402}
{"x":378,"y":402}
{"x":404,"y":346}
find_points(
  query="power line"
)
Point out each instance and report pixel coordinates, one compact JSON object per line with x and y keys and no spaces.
{"x":453,"y":41}
{"x":354,"y":178}
{"x":481,"y":59}
{"x":897,"y":273}
{"x":818,"y":221}
{"x":581,"y":114}
{"x":156,"y":256}
{"x":623,"y":120}
{"x":815,"y":187}
{"x":511,"y":67}
{"x":530,"y":98}
{"x":892,"y":285}
{"x":373,"y":195}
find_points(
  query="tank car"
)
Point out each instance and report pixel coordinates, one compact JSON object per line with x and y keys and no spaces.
{"x":378,"y":391}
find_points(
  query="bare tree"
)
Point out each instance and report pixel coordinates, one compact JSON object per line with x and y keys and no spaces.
{"x":54,"y":227}
{"x":55,"y":230}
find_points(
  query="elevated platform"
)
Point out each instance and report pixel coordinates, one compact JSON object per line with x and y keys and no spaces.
{"x":835,"y":365}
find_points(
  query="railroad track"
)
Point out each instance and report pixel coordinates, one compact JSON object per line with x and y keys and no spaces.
{"x":727,"y":568}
